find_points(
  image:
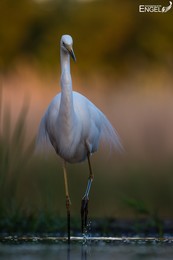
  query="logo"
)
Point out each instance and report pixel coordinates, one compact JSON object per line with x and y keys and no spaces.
{"x":155,"y":8}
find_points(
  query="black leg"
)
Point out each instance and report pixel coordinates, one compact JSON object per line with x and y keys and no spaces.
{"x":84,"y":213}
{"x":85,"y":199}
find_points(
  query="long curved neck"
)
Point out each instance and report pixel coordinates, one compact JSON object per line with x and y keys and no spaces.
{"x":66,"y":111}
{"x":65,"y":61}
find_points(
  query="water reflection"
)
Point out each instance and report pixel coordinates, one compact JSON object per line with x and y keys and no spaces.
{"x":84,"y":252}
{"x":127,"y":249}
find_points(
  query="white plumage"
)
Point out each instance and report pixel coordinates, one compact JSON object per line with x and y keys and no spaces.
{"x":72,"y":123}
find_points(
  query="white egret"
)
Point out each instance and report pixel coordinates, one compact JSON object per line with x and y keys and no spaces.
{"x":74,"y":126}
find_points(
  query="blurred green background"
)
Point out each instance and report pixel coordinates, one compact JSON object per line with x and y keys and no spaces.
{"x":124,"y":59}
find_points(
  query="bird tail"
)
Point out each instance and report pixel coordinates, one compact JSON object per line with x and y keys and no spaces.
{"x":110,"y":137}
{"x":43,"y":144}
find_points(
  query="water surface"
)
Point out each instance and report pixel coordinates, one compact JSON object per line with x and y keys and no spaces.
{"x":93,"y":248}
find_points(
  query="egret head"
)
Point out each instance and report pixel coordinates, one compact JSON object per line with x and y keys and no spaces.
{"x":67,"y":45}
